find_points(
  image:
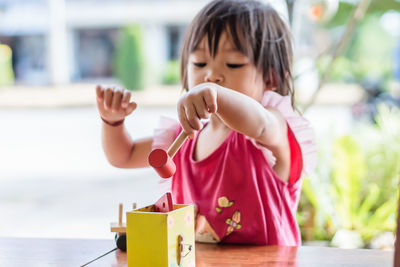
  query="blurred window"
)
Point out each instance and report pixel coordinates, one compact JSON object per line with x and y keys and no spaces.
{"x":29,"y":58}
{"x":95,"y":52}
{"x":174,"y":38}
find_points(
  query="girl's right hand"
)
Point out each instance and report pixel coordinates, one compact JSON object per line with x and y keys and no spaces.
{"x":114,"y":103}
{"x":199,"y":103}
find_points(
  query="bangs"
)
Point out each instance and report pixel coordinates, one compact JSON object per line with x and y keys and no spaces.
{"x":216,"y":20}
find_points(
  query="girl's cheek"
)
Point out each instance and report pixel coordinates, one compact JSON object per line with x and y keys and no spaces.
{"x":193,"y":77}
{"x":189,"y":76}
{"x":190,"y":81}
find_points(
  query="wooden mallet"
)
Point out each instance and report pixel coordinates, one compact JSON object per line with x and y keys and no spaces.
{"x":161,"y":160}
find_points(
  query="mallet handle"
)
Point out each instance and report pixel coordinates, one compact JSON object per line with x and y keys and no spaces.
{"x":177,"y":144}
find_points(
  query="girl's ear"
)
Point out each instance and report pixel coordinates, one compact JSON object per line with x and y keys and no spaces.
{"x":271,"y":83}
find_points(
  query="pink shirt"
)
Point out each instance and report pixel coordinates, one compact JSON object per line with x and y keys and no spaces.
{"x":235,"y":187}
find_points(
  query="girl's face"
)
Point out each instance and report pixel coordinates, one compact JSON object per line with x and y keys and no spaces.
{"x":229,"y":68}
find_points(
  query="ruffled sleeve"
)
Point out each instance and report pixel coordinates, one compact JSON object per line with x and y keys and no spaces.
{"x":300,"y":127}
{"x":165,"y":132}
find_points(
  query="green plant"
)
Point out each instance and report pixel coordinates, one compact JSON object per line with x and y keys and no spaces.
{"x":370,"y":39}
{"x":357,"y":206}
{"x":362,"y":172}
{"x":382,"y":150}
{"x":314,"y":216}
{"x":6,"y":71}
{"x":316,"y":210}
{"x":171,"y":74}
{"x":128,"y":60}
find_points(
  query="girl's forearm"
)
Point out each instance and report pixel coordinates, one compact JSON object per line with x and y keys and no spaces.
{"x":117,"y":144}
{"x":245,"y":115}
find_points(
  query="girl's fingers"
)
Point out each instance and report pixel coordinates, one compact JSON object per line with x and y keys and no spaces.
{"x":108,"y":96}
{"x":210,"y":99}
{"x":185,"y":124}
{"x":130,"y":108}
{"x":192,"y":117}
{"x":116,"y":100}
{"x":125,"y":98}
{"x":201,"y":109}
{"x":99,"y":93}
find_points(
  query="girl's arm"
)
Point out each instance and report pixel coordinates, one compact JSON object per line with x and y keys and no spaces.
{"x":240,"y":113}
{"x":121,"y":151}
{"x":247,"y":116}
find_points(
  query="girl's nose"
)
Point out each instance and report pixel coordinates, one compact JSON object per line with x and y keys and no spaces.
{"x":214,"y":76}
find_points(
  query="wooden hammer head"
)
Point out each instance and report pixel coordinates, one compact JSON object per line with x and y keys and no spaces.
{"x":162,"y":163}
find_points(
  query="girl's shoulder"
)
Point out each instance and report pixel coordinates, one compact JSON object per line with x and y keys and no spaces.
{"x":282,"y":103}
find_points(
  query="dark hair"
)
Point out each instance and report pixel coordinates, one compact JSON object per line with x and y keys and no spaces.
{"x":257,"y":31}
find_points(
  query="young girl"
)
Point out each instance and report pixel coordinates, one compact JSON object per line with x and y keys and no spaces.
{"x":242,"y":167}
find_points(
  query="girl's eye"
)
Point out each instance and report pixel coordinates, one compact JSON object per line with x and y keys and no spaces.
{"x":235,"y":66}
{"x":199,"y":64}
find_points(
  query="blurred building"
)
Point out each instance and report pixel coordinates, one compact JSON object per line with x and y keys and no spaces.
{"x":61,"y":41}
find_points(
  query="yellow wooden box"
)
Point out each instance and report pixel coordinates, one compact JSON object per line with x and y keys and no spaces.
{"x":160,"y":239}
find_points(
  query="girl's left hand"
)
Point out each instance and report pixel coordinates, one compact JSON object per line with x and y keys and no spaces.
{"x":199,"y":103}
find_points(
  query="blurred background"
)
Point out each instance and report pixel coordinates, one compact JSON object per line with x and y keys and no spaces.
{"x":54,"y":179}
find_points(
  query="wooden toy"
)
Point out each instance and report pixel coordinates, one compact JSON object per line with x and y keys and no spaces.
{"x":161,"y":160}
{"x":164,"y":204}
{"x":119,"y":229}
{"x":164,"y":238}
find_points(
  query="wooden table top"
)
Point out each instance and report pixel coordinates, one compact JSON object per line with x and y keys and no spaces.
{"x":75,"y":252}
